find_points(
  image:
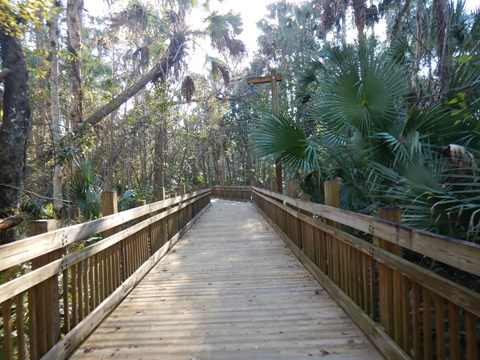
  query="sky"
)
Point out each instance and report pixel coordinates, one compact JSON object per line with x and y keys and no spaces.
{"x":251,"y":11}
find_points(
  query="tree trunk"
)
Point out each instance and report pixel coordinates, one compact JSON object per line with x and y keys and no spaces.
{"x":14,"y":129}
{"x":55,"y":111}
{"x":222,"y":161}
{"x":74,"y":26}
{"x":158,"y":72}
{"x":359,"y":9}
{"x":418,"y":48}
{"x":442,"y":21}
{"x":399,"y":19}
{"x":159,"y":158}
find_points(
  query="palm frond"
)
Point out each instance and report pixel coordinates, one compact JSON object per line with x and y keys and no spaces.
{"x":365,"y":102}
{"x":223,"y":30}
{"x":433,"y":194}
{"x":85,"y":188}
{"x":188,"y":88}
{"x":281,"y":138}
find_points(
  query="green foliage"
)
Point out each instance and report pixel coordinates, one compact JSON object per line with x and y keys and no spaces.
{"x":15,"y":16}
{"x":127,"y":199}
{"x":222,"y":30}
{"x":85,"y":188}
{"x":281,"y":138}
{"x":39,"y":209}
{"x":363,"y":130}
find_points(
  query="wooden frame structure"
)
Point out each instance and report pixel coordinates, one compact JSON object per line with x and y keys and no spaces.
{"x":67,"y":286}
{"x":406,"y":310}
{"x":50,"y":309}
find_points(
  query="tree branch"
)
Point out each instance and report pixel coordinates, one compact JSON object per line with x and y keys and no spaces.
{"x":33,"y":193}
{"x":158,"y":72}
{"x":10,"y":222}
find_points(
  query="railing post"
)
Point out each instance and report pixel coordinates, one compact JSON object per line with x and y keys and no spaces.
{"x":144,"y":242}
{"x":163,"y":234}
{"x":331,"y":190}
{"x":44,"y":302}
{"x":181,"y":189}
{"x":332,"y":193}
{"x":291,"y":188}
{"x":109,"y":207}
{"x":390,"y":283}
{"x":160,"y":194}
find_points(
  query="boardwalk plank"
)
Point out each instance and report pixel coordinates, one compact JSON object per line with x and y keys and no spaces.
{"x":229,"y":289}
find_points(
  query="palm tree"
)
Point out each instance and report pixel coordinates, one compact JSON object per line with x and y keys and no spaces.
{"x":170,"y":21}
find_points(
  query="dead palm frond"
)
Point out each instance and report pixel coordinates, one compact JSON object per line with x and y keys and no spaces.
{"x":219,"y":68}
{"x":188,"y":88}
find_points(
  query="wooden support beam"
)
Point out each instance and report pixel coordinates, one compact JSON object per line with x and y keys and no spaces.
{"x":160,"y":194}
{"x":263,"y":79}
{"x":389,"y":282}
{"x":291,"y":188}
{"x":44,"y":298}
{"x":273,"y":80}
{"x":109,"y":207}
{"x":181,"y":189}
{"x":332,"y":193}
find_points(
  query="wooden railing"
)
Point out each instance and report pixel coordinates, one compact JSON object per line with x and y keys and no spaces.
{"x":408,"y":311}
{"x":70,"y":283}
{"x":232,"y":192}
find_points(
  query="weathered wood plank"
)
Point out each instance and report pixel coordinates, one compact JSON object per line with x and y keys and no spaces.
{"x":22,"y":283}
{"x":455,"y":293}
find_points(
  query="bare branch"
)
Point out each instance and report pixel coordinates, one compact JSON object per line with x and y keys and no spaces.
{"x":33,"y":193}
{"x":10,"y":222}
{"x":158,"y":72}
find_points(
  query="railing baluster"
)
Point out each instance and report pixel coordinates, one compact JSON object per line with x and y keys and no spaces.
{"x":7,"y":328}
{"x":20,"y":326}
{"x":471,"y":336}
{"x":454,"y":331}
{"x":439,"y":326}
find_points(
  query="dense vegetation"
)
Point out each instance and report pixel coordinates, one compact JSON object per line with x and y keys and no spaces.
{"x":381,"y":95}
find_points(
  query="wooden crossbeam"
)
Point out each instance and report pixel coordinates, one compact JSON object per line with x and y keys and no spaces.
{"x":263,"y":79}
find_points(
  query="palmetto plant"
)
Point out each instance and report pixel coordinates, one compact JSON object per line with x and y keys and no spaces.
{"x":359,"y":127}
{"x":282,"y":138}
{"x":85,"y":188}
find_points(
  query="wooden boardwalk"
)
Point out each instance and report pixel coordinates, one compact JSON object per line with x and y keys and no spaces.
{"x":229,"y":289}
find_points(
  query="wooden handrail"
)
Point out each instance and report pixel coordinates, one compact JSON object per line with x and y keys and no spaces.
{"x":69,"y":294}
{"x":454,"y":292}
{"x":404,"y":308}
{"x":34,"y":277}
{"x":232,"y":192}
{"x":32,"y":247}
{"x":460,"y":254}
